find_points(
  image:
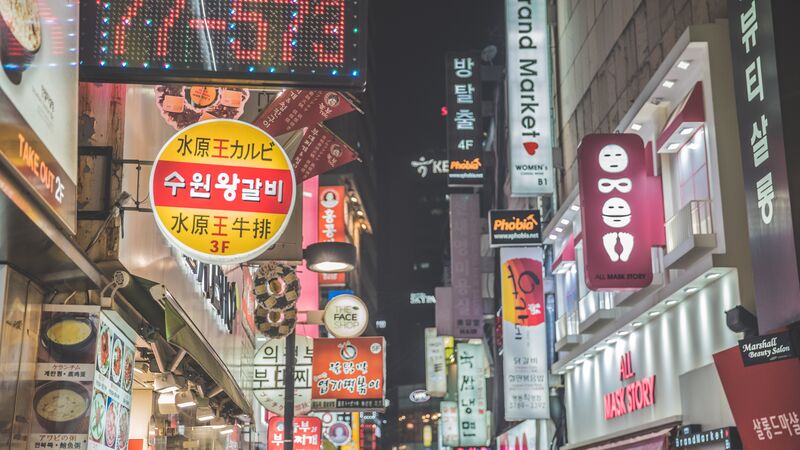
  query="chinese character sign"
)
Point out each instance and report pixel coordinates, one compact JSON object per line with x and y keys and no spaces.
{"x":618,"y":202}
{"x":348,"y":374}
{"x":331,"y":226}
{"x":307,"y":433}
{"x":760,"y":68}
{"x":530,"y":136}
{"x":222,"y":191}
{"x":525,"y":387}
{"x":268,"y":375}
{"x":471,"y":384}
{"x":464,"y":119}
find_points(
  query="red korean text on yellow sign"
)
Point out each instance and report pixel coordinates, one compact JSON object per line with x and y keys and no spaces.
{"x":222,"y":191}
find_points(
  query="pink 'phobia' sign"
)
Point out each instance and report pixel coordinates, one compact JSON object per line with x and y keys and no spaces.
{"x":620,"y":202}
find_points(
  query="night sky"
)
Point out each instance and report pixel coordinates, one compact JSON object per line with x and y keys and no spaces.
{"x":409,"y":40}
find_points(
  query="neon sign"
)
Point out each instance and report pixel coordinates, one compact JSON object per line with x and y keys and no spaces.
{"x":632,"y":397}
{"x":309,"y":43}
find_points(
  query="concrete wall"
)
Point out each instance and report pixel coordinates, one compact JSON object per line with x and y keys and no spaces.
{"x":608,"y":50}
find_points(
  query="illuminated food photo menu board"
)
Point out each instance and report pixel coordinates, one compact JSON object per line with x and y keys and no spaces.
{"x":304,"y":43}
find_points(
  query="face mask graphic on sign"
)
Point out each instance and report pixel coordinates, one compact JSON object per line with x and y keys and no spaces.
{"x":617,"y":211}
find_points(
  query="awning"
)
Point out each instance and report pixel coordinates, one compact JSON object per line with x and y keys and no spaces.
{"x":658,"y":440}
{"x":181,"y":331}
{"x":150,"y":302}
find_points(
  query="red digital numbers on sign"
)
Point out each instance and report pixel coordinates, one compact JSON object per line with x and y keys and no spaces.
{"x":311,"y":42}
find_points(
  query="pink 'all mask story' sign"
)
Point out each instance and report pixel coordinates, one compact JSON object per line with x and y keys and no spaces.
{"x":620,"y":202}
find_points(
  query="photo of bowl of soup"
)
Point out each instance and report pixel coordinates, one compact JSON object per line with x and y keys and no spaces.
{"x":69,"y":337}
{"x":60,"y":406}
{"x":20,"y":36}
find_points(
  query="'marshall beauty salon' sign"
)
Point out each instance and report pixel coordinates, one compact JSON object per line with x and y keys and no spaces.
{"x":769,"y":348}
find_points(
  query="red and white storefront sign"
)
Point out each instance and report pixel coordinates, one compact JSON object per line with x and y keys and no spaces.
{"x":331,"y":227}
{"x":764,"y":400}
{"x":307,"y":433}
{"x":631,"y":397}
{"x":619,"y":203}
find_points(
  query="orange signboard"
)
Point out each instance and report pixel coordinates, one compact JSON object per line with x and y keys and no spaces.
{"x":348,"y":374}
{"x":222,"y":191}
{"x":331,"y":227}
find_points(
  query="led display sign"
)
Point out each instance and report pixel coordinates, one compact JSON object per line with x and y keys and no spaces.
{"x":307,"y":43}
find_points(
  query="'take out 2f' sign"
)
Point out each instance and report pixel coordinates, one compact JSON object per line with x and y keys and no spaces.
{"x":621,"y":207}
{"x":312,"y":43}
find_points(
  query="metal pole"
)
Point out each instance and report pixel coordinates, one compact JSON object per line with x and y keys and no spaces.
{"x":288,"y":403}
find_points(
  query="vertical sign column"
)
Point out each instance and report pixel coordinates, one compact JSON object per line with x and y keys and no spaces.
{"x":466,"y":305}
{"x":472,"y":426}
{"x":765,"y":162}
{"x":530,"y":137}
{"x":464,"y":131}
{"x":525,"y":386}
{"x":331,"y":227}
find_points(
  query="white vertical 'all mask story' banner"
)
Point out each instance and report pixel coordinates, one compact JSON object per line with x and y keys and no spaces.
{"x":525,"y":386}
{"x":530,"y":137}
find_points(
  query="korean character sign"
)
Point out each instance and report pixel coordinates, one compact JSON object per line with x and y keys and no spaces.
{"x":764,"y":400}
{"x":222,"y":191}
{"x":473,"y":429}
{"x":348,"y":374}
{"x":763,"y":69}
{"x":331,"y":226}
{"x":269,"y":385}
{"x":464,"y":118}
{"x":526,"y":393}
{"x":307,"y":433}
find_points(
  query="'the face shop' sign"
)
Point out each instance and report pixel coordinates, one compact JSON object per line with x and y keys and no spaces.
{"x":769,"y":348}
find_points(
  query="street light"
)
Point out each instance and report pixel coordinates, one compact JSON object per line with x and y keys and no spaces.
{"x":330,"y":257}
{"x":323,"y":257}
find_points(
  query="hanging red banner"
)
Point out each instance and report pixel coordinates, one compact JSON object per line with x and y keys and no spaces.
{"x":296,"y":109}
{"x":331,"y":227}
{"x":320,"y":151}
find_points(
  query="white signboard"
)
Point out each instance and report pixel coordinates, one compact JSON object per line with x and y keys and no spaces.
{"x":530,"y":140}
{"x":526,"y":393}
{"x":472,"y":425}
{"x":435,"y":368}
{"x":268,"y":375}
{"x":449,"y":423}
{"x":346,"y":316}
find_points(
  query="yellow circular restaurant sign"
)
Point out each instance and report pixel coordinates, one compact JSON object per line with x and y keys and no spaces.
{"x":222,"y":191}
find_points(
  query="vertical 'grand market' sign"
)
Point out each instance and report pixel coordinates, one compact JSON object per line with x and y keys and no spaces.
{"x":530,"y":138}
{"x":222,"y":191}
